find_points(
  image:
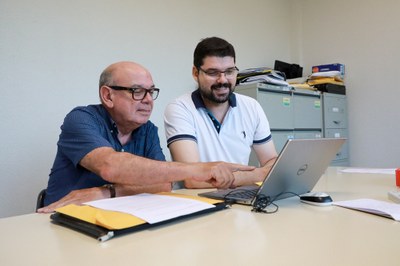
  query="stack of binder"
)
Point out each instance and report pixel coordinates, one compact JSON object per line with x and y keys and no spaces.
{"x":328,"y":78}
{"x":261,"y":75}
{"x":332,"y":77}
{"x":324,"y":78}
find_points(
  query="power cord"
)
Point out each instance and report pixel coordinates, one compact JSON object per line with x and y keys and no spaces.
{"x":262,"y":202}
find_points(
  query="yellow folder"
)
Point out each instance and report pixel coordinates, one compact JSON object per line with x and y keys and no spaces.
{"x":113,"y":220}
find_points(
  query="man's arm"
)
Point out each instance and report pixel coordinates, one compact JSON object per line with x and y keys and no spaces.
{"x":134,"y":174}
{"x":266,"y":155}
{"x":96,"y":193}
{"x":128,"y":169}
{"x":187,"y":151}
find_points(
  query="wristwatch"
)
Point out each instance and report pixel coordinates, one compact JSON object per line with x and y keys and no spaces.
{"x":111,"y":188}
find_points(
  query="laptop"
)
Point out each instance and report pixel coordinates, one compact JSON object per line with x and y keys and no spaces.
{"x":297,"y":169}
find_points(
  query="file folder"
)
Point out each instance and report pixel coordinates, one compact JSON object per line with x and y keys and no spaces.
{"x":103,"y":224}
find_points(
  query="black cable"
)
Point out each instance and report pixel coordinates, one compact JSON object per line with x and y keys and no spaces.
{"x":262,"y":202}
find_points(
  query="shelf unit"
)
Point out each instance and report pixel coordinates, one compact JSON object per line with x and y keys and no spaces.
{"x":300,"y":114}
{"x":335,"y":124}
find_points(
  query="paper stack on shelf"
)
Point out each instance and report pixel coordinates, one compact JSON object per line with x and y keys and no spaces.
{"x":333,"y":77}
{"x":261,"y":75}
{"x":300,"y":83}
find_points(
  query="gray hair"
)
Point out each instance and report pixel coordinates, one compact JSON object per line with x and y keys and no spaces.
{"x":106,"y":78}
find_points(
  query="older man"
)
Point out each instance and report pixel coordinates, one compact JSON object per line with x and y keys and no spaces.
{"x":112,"y":149}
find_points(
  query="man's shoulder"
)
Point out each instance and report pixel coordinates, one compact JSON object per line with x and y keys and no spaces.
{"x":93,"y":108}
{"x":244,"y":99}
{"x":183,"y":98}
{"x":81,"y":113}
{"x":181,"y":103}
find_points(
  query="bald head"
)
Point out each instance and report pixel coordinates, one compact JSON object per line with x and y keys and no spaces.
{"x":122,"y":71}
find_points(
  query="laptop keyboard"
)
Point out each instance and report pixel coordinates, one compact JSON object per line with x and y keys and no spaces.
{"x":243,"y":194}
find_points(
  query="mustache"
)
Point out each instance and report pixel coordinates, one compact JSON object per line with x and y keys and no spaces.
{"x":221,"y":85}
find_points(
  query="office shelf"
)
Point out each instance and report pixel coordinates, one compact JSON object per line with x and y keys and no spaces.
{"x":299,"y":114}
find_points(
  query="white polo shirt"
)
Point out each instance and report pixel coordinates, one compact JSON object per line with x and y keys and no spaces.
{"x":245,"y":124}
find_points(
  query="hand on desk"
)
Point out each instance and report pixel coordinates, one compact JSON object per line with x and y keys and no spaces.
{"x":77,"y":197}
{"x":96,"y":193}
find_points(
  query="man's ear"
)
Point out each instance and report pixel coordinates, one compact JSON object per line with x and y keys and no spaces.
{"x":195,"y":74}
{"x":106,"y":96}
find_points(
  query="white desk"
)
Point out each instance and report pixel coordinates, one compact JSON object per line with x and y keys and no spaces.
{"x":298,"y":234}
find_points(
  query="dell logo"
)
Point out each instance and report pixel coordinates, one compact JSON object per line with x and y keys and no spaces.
{"x":302,"y":169}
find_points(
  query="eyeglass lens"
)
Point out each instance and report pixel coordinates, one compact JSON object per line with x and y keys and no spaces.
{"x":140,"y":93}
{"x":229,"y":73}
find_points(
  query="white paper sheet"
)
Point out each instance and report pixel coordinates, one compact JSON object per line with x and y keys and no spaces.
{"x":387,"y":171}
{"x":152,"y":208}
{"x":383,"y":208}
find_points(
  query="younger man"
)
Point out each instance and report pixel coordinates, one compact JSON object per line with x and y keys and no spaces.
{"x":214,"y":123}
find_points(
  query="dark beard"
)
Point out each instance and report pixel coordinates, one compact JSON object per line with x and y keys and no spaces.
{"x":210,"y":95}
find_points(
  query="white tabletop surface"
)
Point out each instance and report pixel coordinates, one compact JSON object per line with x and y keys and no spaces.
{"x":298,"y":234}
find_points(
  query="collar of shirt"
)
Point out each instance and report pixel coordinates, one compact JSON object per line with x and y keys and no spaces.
{"x":199,"y":103}
{"x":110,"y":122}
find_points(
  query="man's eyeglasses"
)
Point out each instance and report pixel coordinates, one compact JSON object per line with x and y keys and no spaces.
{"x":138,"y":93}
{"x":214,"y":73}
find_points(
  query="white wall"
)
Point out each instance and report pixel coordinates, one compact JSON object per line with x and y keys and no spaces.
{"x":52,"y":53}
{"x":363,"y":35}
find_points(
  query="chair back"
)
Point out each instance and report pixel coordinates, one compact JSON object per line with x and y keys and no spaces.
{"x":40,"y":199}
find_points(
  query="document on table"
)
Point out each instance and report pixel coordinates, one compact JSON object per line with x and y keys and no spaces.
{"x":382,"y":208}
{"x":388,"y":171}
{"x":152,"y":208}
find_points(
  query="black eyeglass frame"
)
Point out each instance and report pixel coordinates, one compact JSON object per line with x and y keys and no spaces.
{"x":154,"y":92}
{"x":216,"y":73}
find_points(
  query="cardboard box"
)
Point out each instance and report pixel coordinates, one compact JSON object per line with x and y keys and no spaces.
{"x":329,"y":67}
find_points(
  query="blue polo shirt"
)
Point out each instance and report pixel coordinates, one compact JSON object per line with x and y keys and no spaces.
{"x":85,"y":129}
